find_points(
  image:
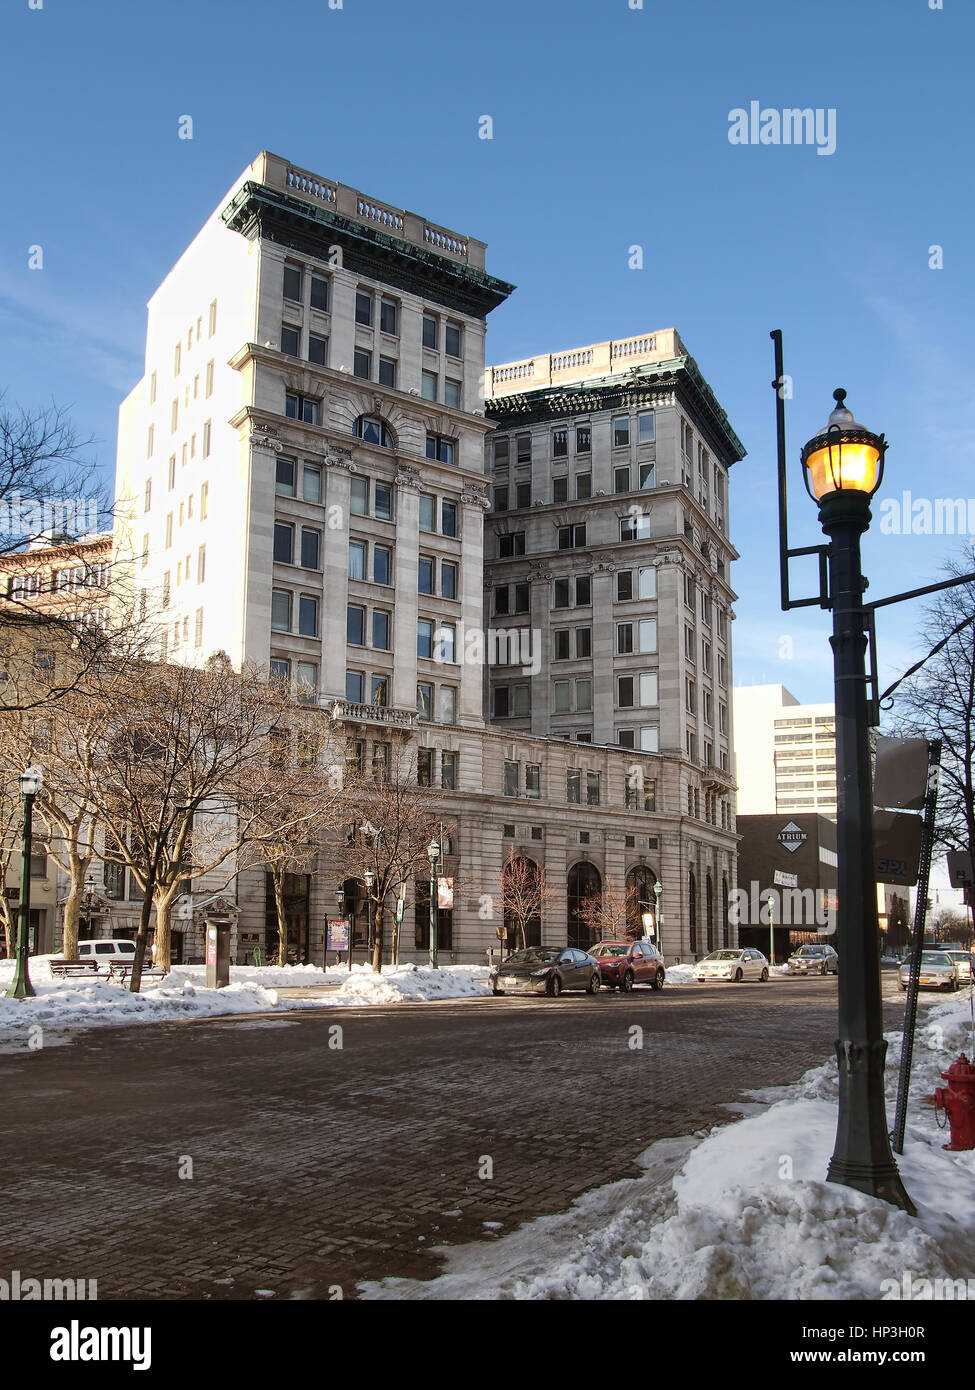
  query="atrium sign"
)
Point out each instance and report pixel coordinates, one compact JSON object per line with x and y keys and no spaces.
{"x":792,"y":837}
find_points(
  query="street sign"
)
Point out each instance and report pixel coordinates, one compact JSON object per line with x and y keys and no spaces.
{"x":897,"y":847}
{"x":900,"y":778}
{"x":960,"y":868}
{"x":783,"y":880}
{"x":792,"y":837}
{"x":338,"y":934}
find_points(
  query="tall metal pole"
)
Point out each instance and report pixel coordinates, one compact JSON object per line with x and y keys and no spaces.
{"x":917,"y":943}
{"x":862,"y":1157}
{"x":22,"y":987}
{"x":433,"y":914}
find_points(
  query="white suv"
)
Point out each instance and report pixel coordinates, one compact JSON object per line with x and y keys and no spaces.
{"x":108,"y":952}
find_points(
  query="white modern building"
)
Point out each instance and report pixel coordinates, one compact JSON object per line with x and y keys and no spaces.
{"x":785,"y":753}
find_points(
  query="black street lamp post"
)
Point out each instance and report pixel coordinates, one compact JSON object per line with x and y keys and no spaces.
{"x":433,"y":854}
{"x":31,"y":782}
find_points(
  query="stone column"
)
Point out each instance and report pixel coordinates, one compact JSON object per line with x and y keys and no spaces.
{"x":540,"y":580}
{"x":335,"y":572}
{"x":473,"y":505}
{"x":406,"y":563}
{"x":603,"y":656}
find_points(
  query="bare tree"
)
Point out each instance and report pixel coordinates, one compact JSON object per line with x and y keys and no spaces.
{"x":167,"y":785}
{"x":394,"y":823}
{"x":938,"y":702}
{"x":47,"y":481}
{"x":608,"y":916}
{"x":526,"y":892}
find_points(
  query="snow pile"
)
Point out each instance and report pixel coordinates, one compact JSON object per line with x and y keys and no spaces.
{"x":680,"y":975}
{"x":400,"y":984}
{"x":746,"y":1213}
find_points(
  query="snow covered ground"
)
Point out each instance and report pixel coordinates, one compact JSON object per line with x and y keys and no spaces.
{"x":62,"y":1007}
{"x":744,"y":1212}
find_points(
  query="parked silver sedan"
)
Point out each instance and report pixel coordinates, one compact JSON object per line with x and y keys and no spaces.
{"x":735,"y":965}
{"x":937,"y":972}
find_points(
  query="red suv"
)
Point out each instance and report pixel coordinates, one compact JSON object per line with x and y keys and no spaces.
{"x":623,"y":964}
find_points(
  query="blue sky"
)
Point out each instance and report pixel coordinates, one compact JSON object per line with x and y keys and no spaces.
{"x":610,"y":129}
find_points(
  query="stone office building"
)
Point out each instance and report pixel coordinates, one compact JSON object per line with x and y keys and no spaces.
{"x":302,"y":483}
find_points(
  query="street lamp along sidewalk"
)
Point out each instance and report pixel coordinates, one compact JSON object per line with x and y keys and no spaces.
{"x":842,"y":467}
{"x":31,"y":782}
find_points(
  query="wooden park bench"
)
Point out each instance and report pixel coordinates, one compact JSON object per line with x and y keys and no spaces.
{"x":122,"y":969}
{"x":67,"y":969}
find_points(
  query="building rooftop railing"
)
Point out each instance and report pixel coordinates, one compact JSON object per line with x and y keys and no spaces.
{"x":582,"y":363}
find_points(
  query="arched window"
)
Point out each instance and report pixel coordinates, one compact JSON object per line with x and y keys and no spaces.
{"x":692,"y":909}
{"x":373,"y":430}
{"x":584,"y":882}
{"x":520,"y":895}
{"x":725,"y":925}
{"x":709,"y":907}
{"x":642,"y":900}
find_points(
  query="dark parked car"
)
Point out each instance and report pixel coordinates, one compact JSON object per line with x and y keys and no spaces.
{"x":624,"y":964}
{"x":546,"y":970}
{"x":814,"y":959}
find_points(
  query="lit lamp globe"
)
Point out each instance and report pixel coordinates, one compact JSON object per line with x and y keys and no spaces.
{"x":843,"y":458}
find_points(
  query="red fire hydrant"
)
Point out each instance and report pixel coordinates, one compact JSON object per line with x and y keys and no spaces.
{"x":957,"y":1099}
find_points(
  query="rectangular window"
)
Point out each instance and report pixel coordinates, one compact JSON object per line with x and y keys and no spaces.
{"x":165,"y":590}
{"x":311,"y":483}
{"x":300,"y":408}
{"x":357,"y":559}
{"x":647,"y":475}
{"x":425,"y":570}
{"x":561,"y":593}
{"x":448,"y":519}
{"x":284,"y":542}
{"x":169,"y":530}
{"x":424,"y":638}
{"x":583,"y":486}
{"x":621,"y":479}
{"x":650,"y":739}
{"x":624,"y":586}
{"x":319,"y":293}
{"x":560,"y":489}
{"x":448,"y":772}
{"x":201,"y":564}
{"x":524,"y":448}
{"x":290,"y":340}
{"x":446,"y":643}
{"x":284,"y":479}
{"x":583,"y":591}
{"x":209,"y":378}
{"x":451,"y":340}
{"x":363,"y":308}
{"x":355,"y":626}
{"x":384,"y":502}
{"x":500,"y":499}
{"x":648,"y":582}
{"x":292,"y":283}
{"x":563,"y":696}
{"x":382,"y":564}
{"x":448,"y":704}
{"x":424,"y":767}
{"x":387,"y":372}
{"x":648,"y":688}
{"x":429,"y":331}
{"x":380,"y":630}
{"x":512,"y":777}
{"x":428,"y":512}
{"x":359,"y":497}
{"x":362,"y":364}
{"x":583,"y":439}
{"x":592,"y":788}
{"x":172,"y":472}
{"x":573,"y":787}
{"x":533,"y":780}
{"x":206,"y":439}
{"x":317,"y":350}
{"x":174,"y":417}
{"x":198,"y":629}
{"x":204,"y":500}
{"x":388,"y":315}
{"x":310,"y":548}
{"x":648,"y":634}
{"x":428,"y":386}
{"x":645,"y":430}
{"x":212,"y":325}
{"x":150,"y":441}
{"x":280,"y":610}
{"x":584,"y":694}
{"x":148,"y":495}
{"x":424,"y":700}
{"x":624,"y":638}
{"x":448,"y":579}
{"x":621,"y":431}
{"x":500,"y":454}
{"x":560,"y":443}
{"x":452,"y":393}
{"x":307,"y":616}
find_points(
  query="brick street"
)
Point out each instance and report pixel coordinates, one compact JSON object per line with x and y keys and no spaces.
{"x":315,"y":1167}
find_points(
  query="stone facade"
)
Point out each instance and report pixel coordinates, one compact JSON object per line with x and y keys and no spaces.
{"x":302,"y":482}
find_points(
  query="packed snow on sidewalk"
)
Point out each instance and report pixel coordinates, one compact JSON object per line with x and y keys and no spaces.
{"x":745,"y":1212}
{"x":63,"y":1006}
